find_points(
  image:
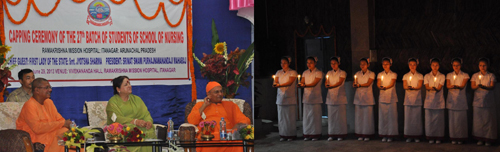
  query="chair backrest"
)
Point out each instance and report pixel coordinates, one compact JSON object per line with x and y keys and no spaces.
{"x":15,"y":140}
{"x":9,"y":111}
{"x":96,"y":113}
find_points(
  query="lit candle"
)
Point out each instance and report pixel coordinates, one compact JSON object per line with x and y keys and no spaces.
{"x":480,"y":79}
{"x":274,"y":79}
{"x":355,"y":82}
{"x":409,"y":82}
{"x":382,"y":81}
{"x":328,"y":82}
{"x":454,"y":77}
{"x":298,"y":77}
{"x":435,"y":78}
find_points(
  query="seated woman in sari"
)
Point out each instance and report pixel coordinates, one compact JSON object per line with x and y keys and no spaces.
{"x":130,"y":110}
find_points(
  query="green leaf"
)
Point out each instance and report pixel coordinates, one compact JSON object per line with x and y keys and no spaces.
{"x":215,"y":36}
{"x":243,"y":59}
{"x":194,"y":43}
{"x":94,"y":131}
{"x":92,"y":147}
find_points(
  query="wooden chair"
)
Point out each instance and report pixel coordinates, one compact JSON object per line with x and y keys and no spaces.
{"x":15,"y":140}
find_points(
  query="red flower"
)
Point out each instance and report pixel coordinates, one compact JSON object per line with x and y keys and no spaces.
{"x":236,"y":71}
{"x":230,"y":82}
{"x":65,"y":138}
{"x":83,"y":138}
{"x":73,"y":135}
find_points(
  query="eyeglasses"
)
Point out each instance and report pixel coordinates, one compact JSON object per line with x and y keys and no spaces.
{"x":48,"y":87}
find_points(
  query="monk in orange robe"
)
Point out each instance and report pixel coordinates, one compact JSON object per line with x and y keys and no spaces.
{"x":39,"y":117}
{"x":214,"y":109}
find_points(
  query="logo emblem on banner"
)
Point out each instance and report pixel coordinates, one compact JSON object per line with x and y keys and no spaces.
{"x":99,"y":13}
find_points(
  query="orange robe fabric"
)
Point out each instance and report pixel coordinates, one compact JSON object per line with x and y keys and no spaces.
{"x":43,"y":123}
{"x":227,"y":109}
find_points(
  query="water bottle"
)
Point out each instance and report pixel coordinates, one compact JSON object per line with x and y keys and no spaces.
{"x":73,"y":124}
{"x":170,"y":129}
{"x":222,"y":129}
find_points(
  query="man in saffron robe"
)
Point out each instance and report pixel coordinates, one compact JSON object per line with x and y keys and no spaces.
{"x":215,"y":109}
{"x":39,"y":117}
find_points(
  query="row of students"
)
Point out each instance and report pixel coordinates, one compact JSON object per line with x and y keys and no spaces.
{"x":485,"y":122}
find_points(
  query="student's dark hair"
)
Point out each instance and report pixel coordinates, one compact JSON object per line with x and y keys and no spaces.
{"x":388,"y":59}
{"x":435,"y":60}
{"x":117,"y":82}
{"x":286,"y":58}
{"x":365,"y":59}
{"x":459,"y":60}
{"x":485,"y":60}
{"x":312,"y":58}
{"x":335,"y":58}
{"x":21,"y":73}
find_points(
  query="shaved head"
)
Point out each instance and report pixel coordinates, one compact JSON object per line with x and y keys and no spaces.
{"x":37,"y":83}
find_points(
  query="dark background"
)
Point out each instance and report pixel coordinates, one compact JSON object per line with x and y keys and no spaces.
{"x":399,"y":29}
{"x":402,"y":29}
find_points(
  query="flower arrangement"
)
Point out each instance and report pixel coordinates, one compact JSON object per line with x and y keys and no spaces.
{"x":229,"y":69}
{"x":5,"y":73}
{"x":247,"y":132}
{"x":76,"y":136}
{"x":207,"y":127}
{"x":114,"y":130}
{"x":133,"y":135}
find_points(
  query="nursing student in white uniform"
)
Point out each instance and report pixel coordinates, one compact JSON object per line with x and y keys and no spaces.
{"x":412,"y":83}
{"x":364,"y":125}
{"x":434,"y":103}
{"x":456,"y":102}
{"x":286,"y":100}
{"x":336,"y":101}
{"x":484,"y":128}
{"x":388,"y":99}
{"x":312,"y":100}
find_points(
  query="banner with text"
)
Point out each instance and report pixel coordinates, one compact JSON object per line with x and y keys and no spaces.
{"x":88,"y":43}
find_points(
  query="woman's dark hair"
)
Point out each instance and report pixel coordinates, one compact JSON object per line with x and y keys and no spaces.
{"x":388,"y":59}
{"x":365,"y":59}
{"x":286,"y":58}
{"x":485,"y":60}
{"x":311,"y":58}
{"x":435,"y":60}
{"x":335,"y":58}
{"x":117,"y":82}
{"x":459,"y":60}
{"x":413,"y":60}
